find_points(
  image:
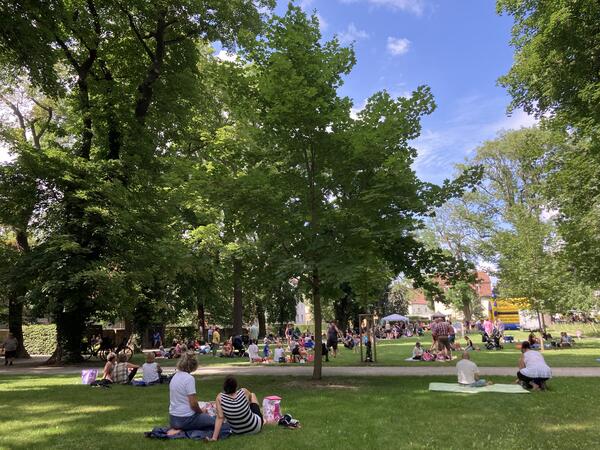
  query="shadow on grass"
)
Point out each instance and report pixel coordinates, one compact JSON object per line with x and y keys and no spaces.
{"x":57,"y":412}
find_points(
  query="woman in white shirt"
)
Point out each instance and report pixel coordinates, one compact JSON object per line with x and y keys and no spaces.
{"x":253,"y":352}
{"x":184,"y":411}
{"x":151,"y":370}
{"x":533,"y":370}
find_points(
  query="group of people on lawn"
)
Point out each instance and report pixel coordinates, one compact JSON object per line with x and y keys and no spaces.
{"x":533,"y":371}
{"x":237,"y":405}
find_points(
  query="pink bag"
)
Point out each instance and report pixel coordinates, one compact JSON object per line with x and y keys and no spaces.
{"x":88,"y":376}
{"x":272,"y":409}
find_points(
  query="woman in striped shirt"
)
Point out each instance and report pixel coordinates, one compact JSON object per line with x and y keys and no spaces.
{"x":239,"y":407}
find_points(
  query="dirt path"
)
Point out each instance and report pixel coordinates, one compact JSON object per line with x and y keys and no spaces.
{"x":34,"y":367}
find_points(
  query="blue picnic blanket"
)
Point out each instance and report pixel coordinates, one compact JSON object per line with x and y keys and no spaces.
{"x":198,"y":435}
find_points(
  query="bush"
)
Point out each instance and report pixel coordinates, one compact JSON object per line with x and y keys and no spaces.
{"x":39,"y":339}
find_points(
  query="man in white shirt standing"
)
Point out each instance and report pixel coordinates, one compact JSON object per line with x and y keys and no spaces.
{"x":468,"y":372}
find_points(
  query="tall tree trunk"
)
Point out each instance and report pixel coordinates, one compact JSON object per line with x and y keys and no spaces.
{"x":15,"y":302}
{"x":262,"y":320}
{"x":201,"y":315}
{"x":15,"y":323}
{"x":238,"y":307}
{"x":69,"y":334}
{"x":316,"y":297}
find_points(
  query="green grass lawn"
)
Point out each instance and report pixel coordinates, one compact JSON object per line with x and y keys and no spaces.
{"x":394,"y":353}
{"x":58,"y":412}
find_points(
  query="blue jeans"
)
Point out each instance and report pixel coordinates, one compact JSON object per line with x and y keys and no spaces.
{"x":195,"y":422}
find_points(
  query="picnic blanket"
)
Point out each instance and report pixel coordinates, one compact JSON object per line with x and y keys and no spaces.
{"x":197,"y":435}
{"x":422,"y":360}
{"x":455,"y":387}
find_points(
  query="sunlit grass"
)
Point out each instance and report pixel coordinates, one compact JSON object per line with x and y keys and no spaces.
{"x":379,"y":412}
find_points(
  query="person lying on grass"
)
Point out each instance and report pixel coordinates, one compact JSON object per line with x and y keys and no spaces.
{"x":468,"y":372}
{"x":184,"y":412}
{"x":240,"y":408}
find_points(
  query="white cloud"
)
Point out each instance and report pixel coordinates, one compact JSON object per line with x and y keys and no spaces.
{"x":304,"y":4}
{"x":323,"y":24}
{"x":474,"y":120}
{"x":397,"y":46}
{"x":224,"y":55}
{"x":352,"y":34}
{"x":416,"y":7}
{"x":5,"y":156}
{"x":357,"y":109}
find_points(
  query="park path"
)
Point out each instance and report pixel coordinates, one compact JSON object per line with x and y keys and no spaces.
{"x":33,"y":367}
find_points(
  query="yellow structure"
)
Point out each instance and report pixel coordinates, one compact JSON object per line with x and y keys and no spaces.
{"x":507,"y":310}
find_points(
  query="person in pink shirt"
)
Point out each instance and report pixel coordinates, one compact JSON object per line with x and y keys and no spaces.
{"x":488,"y":327}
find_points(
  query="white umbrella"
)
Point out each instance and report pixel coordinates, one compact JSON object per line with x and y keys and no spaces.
{"x":395,"y":318}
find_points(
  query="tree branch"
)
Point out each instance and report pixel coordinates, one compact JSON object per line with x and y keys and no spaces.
{"x":138,"y":35}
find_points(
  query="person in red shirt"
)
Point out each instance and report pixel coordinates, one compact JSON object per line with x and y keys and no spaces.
{"x":440,"y":330}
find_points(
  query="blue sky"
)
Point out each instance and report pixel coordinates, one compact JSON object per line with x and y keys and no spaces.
{"x":457,"y":47}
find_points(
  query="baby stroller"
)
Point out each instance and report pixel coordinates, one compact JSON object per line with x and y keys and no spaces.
{"x":238,"y":346}
{"x":492,"y":342}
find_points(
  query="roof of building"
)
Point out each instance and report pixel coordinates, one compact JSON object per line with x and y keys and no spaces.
{"x":483,"y":286}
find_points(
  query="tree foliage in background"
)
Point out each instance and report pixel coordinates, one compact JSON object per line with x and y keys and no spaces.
{"x":335,"y":198}
{"x":128,"y":75}
{"x":555,"y":75}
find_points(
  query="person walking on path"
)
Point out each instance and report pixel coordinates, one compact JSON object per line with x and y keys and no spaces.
{"x":440,"y":330}
{"x":533,"y":370}
{"x":10,"y":349}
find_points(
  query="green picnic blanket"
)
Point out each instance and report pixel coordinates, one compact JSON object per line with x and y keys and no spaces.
{"x":455,"y":387}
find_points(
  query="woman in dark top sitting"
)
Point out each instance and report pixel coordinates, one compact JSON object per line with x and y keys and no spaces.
{"x":239,"y":407}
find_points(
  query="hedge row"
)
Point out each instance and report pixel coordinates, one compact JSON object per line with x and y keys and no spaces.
{"x":39,"y":339}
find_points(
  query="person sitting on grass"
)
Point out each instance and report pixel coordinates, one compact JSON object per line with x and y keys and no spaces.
{"x":253,"y":352}
{"x":468,"y":372}
{"x":176,"y":349}
{"x":239,"y":407}
{"x":279,"y":353}
{"x":184,"y":411}
{"x":151,"y":370}
{"x":107,"y":372}
{"x":565,"y":340}
{"x":123,"y":371}
{"x":534,"y":342}
{"x":469,"y":347}
{"x":227,"y":350}
{"x":349,"y":341}
{"x":533,"y":370}
{"x":418,"y":351}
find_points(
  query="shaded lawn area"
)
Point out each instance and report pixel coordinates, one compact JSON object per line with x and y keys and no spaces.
{"x":58,"y":412}
{"x":394,"y":353}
